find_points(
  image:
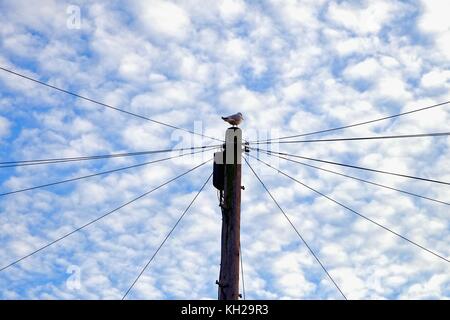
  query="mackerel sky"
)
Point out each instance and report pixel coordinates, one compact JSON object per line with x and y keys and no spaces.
{"x":290,"y":67}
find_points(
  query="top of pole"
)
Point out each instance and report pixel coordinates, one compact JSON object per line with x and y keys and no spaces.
{"x":233,"y":145}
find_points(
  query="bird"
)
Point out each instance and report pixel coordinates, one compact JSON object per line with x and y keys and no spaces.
{"x":234,"y":119}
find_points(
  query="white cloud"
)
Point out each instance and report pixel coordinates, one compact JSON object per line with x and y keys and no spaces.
{"x":431,"y":289}
{"x":288,"y":66}
{"x":434,"y":18}
{"x":354,"y":286}
{"x":139,"y":138}
{"x":436,"y":79}
{"x":365,"y":18}
{"x":434,"y":21}
{"x":346,"y":45}
{"x":133,"y":65}
{"x":35,"y":15}
{"x":394,"y":88}
{"x":4,"y":127}
{"x":294,"y":91}
{"x":163,"y":19}
{"x":297,"y":14}
{"x":231,"y":10}
{"x":235,"y":49}
{"x":365,"y":69}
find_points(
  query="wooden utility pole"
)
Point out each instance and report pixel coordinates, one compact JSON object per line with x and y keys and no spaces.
{"x":231,"y":217}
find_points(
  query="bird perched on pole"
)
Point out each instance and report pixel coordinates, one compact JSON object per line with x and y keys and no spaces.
{"x":234,"y":120}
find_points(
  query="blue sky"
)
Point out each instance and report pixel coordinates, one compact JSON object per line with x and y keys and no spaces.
{"x":290,"y":67}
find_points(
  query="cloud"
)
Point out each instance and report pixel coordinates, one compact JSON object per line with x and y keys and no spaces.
{"x":434,"y":22}
{"x":433,"y":18}
{"x":163,"y":19}
{"x":366,"y":69}
{"x":231,"y":10}
{"x":365,"y":18}
{"x":436,"y":79}
{"x":432,"y":289}
{"x":5,"y":126}
{"x":291,"y":67}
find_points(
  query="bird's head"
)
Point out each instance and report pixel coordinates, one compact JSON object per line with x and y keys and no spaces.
{"x":240,"y":115}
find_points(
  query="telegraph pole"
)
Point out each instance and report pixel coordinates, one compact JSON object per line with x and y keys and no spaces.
{"x":231,"y":215}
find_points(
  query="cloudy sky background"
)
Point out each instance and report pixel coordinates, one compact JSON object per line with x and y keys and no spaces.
{"x":290,"y":67}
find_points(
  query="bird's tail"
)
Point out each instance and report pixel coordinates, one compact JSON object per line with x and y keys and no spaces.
{"x":224,"y":118}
